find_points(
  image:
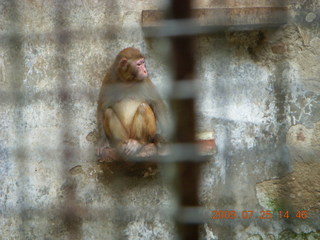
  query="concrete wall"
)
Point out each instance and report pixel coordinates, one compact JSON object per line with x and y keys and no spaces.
{"x":259,"y":92}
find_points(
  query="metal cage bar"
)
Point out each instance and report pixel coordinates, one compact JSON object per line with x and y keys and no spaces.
{"x":187,"y":178}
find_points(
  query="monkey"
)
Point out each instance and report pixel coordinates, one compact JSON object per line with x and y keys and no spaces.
{"x":130,"y":112}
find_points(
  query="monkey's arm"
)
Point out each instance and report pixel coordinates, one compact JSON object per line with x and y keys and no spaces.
{"x":102,"y":138}
{"x":103,"y":141}
{"x":162,"y":115}
{"x":159,"y":109}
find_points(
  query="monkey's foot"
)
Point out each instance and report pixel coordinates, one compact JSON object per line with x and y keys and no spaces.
{"x":109,"y":155}
{"x":112,"y":154}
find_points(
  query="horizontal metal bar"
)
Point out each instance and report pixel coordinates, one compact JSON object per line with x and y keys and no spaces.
{"x":224,"y":16}
{"x":212,"y":20}
{"x":107,"y":32}
{"x":209,"y":21}
{"x":28,"y":97}
{"x":192,"y":215}
{"x":114,"y":213}
{"x":175,"y":153}
{"x":127,"y":214}
{"x":182,"y":89}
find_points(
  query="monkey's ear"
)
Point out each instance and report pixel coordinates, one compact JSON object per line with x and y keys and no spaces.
{"x":123,"y":62}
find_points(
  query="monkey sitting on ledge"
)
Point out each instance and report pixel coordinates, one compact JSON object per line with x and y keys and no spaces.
{"x":130,"y":113}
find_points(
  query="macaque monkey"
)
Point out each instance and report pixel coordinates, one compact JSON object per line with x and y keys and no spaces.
{"x":131,"y":113}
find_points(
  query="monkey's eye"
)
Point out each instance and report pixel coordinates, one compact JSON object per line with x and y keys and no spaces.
{"x":141,"y":62}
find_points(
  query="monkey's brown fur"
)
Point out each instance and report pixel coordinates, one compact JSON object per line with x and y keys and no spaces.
{"x":130,"y":111}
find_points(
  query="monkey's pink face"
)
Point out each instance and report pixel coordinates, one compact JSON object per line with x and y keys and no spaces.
{"x":141,"y":69}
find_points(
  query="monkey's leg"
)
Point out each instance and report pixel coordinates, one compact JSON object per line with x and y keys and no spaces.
{"x":143,"y":126}
{"x":143,"y":129}
{"x":115,"y":130}
{"x":115,"y":133}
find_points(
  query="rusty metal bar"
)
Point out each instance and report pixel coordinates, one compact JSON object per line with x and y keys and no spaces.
{"x":187,"y":172}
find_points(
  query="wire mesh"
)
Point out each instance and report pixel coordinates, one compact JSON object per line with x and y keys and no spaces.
{"x":189,"y":215}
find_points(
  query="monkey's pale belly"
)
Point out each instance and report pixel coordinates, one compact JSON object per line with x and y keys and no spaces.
{"x":126,"y":110}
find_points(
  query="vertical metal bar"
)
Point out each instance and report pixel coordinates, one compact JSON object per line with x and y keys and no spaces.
{"x":15,"y":45}
{"x":70,"y":215}
{"x":187,"y":171}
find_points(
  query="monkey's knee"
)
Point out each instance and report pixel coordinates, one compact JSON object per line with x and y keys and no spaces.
{"x":143,"y":108}
{"x":146,"y":114}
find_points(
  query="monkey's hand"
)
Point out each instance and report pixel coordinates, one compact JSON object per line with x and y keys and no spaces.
{"x":109,"y":155}
{"x":161,"y":143}
{"x":130,"y":147}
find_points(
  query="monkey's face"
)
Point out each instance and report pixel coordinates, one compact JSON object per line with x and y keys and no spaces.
{"x":140,"y":68}
{"x":131,"y":70}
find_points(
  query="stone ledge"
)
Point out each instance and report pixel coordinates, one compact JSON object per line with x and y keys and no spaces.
{"x":205,"y":147}
{"x":113,"y":164}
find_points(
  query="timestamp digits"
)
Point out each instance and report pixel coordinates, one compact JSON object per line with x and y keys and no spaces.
{"x":263,"y":214}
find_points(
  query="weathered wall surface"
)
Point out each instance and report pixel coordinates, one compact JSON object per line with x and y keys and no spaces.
{"x":264,"y":102}
{"x":259,"y":92}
